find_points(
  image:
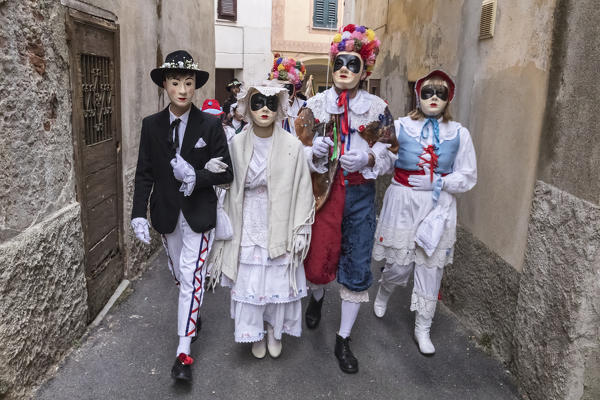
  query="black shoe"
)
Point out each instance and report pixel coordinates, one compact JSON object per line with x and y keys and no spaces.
{"x":313,"y":312}
{"x":348,"y":363}
{"x":182,"y":369}
{"x":198,"y":327}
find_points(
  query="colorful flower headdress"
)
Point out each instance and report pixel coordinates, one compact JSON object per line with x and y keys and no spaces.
{"x":288,"y":69}
{"x":358,"y":39}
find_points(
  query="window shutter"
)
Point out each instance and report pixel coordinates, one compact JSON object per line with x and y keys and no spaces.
{"x":227,"y":9}
{"x":332,"y":14}
{"x":325,"y":14}
{"x":319,"y":12}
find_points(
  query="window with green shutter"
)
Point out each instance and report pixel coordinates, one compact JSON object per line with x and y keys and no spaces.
{"x":325,"y":14}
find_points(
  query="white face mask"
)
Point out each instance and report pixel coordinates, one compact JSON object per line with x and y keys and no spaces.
{"x":343,"y":77}
{"x":434,"y":105}
{"x":263,"y":116}
{"x":180,"y":91}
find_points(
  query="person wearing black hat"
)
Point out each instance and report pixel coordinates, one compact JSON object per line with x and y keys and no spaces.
{"x":233,"y":87}
{"x":183,"y":152}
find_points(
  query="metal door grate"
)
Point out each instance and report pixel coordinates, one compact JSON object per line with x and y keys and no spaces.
{"x":97,"y":98}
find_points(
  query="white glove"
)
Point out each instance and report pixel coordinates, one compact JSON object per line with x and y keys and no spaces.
{"x":321,"y":145}
{"x":422,"y":182}
{"x":140,"y":227}
{"x":215,"y":165}
{"x":300,"y":243}
{"x":182,"y":170}
{"x":354,"y":160}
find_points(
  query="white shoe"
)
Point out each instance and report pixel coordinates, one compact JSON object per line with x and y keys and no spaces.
{"x":422,"y":327}
{"x":259,"y":349}
{"x":381,"y":300}
{"x":273,"y":345}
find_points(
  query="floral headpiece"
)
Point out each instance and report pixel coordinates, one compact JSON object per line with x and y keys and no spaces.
{"x":185,"y":64}
{"x":288,"y":69}
{"x":358,"y":39}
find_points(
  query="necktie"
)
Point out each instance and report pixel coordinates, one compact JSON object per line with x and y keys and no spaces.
{"x":174,"y":134}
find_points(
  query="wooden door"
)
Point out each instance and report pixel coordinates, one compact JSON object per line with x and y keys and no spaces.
{"x":94,"y":47}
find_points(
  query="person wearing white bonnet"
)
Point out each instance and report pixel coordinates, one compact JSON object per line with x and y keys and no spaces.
{"x":271,"y":207}
{"x":417,"y":225}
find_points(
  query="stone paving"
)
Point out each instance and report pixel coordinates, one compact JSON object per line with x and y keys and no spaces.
{"x":129,"y":355}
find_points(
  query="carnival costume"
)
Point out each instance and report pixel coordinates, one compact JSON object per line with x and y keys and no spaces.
{"x":290,"y":73}
{"x":346,"y":132}
{"x":271,"y":207}
{"x":180,"y":158}
{"x":417,"y":224}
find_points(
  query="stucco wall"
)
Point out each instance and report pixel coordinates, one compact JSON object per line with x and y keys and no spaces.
{"x":43,"y":295}
{"x":570,"y":149}
{"x":36,"y":150}
{"x":557,"y":324}
{"x":418,"y":36}
{"x":43,"y":299}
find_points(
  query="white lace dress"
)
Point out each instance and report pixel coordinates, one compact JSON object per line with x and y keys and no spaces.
{"x":262,"y":290}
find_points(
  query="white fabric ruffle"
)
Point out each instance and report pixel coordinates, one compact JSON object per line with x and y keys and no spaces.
{"x":423,"y":304}
{"x":402,"y":212}
{"x":250,"y":320}
{"x":354,"y":297}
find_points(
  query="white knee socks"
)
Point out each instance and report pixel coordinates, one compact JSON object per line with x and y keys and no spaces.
{"x":184,"y":345}
{"x":349,"y":313}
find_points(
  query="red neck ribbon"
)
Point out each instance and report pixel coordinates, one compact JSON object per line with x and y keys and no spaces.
{"x":343,"y":102}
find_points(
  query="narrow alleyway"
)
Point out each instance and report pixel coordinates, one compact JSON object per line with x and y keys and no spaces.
{"x":130,"y":354}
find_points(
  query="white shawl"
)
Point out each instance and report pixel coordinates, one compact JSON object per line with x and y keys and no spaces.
{"x":290,"y":208}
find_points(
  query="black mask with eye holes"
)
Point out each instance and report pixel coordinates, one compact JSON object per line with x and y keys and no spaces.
{"x":350,"y":61}
{"x":290,"y":88}
{"x":259,"y":100}
{"x":429,"y":91}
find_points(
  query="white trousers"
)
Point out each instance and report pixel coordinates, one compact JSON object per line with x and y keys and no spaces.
{"x":426,"y":287}
{"x":186,"y":254}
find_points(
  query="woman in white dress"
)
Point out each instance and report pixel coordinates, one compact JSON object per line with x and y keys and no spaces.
{"x":417,"y":225}
{"x":271,"y":207}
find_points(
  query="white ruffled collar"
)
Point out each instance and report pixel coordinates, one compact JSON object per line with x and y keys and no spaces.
{"x":360,"y":104}
{"x":448,"y":130}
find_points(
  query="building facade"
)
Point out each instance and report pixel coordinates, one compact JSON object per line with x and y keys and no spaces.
{"x":527,"y":259}
{"x":303,"y":30}
{"x":75,"y":86}
{"x":242,"y":42}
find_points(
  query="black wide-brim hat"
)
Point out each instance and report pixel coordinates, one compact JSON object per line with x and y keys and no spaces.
{"x":179,"y":61}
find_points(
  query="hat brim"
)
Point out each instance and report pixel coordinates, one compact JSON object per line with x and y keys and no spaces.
{"x":213,"y":111}
{"x":157,"y":75}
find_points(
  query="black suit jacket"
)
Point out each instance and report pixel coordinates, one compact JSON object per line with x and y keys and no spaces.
{"x":155,"y":174}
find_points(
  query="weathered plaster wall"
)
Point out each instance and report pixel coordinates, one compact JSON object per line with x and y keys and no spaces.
{"x":570,"y":149}
{"x":501,"y":97}
{"x":43,"y":299}
{"x":418,"y":36}
{"x":36,"y":150}
{"x":42,"y":277}
{"x":557,"y":324}
{"x":482,"y":290}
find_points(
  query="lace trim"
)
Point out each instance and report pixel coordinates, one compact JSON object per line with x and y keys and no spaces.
{"x":273,"y":299}
{"x":422,"y":304}
{"x":354,"y":297}
{"x":317,"y":104}
{"x":440,"y":257}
